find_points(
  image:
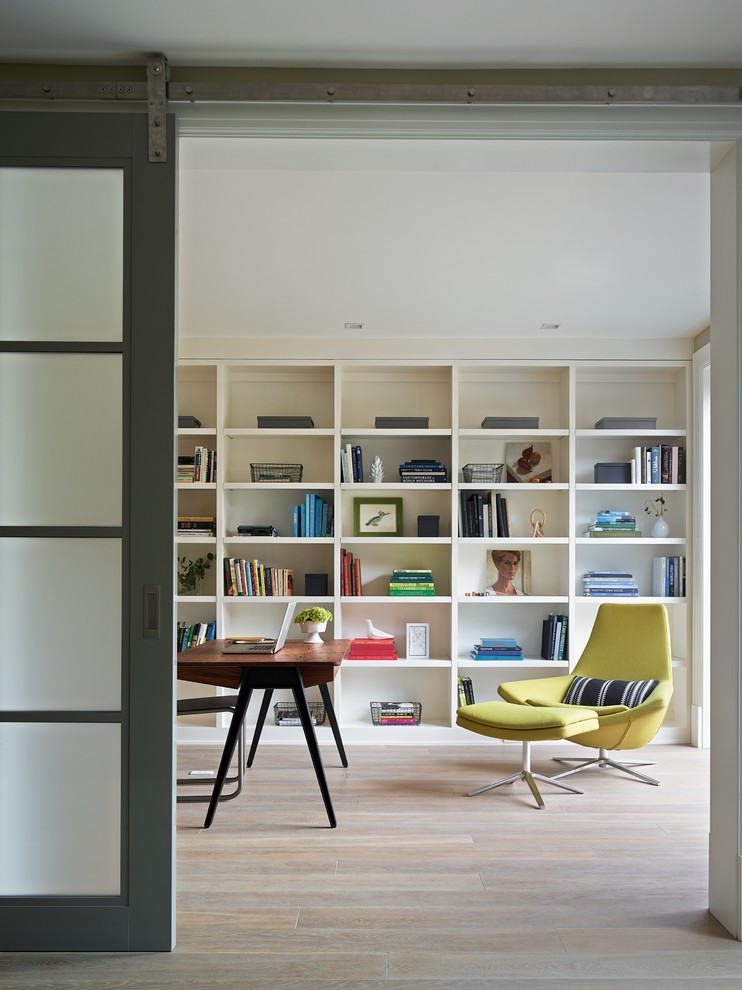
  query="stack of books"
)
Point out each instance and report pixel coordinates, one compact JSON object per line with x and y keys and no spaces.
{"x":423,"y":471}
{"x":610,"y":584}
{"x":411,"y":583}
{"x":372,"y":649}
{"x":196,"y":526}
{"x":350,"y":574}
{"x":613,"y":522}
{"x":396,"y":712}
{"x":497,"y":649}
{"x":466,"y":691}
{"x":313,"y":517}
{"x":554,"y":637}
{"x":668,"y":577}
{"x":199,"y":632}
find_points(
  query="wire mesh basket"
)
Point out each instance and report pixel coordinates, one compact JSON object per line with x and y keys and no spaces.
{"x":396,"y":712}
{"x":276,"y":472}
{"x":289,"y":714}
{"x":488,"y":473}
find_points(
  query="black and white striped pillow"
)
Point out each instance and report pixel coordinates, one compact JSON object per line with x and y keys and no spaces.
{"x":592,"y":691}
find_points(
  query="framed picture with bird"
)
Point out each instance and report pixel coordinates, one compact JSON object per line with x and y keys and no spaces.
{"x":377,"y":517}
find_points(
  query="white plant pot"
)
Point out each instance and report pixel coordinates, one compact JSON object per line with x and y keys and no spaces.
{"x":313,"y":629}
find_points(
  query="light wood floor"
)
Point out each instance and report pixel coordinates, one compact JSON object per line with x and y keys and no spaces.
{"x":420,"y":887}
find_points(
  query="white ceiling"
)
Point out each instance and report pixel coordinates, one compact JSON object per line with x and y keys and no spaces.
{"x":379,"y":33}
{"x":639,"y":278}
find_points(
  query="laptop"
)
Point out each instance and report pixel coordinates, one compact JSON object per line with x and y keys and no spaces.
{"x":259,"y":644}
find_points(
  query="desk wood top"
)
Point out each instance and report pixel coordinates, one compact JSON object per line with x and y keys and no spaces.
{"x":206,"y":664}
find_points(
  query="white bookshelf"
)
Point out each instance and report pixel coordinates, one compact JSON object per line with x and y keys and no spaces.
{"x":343,"y":398}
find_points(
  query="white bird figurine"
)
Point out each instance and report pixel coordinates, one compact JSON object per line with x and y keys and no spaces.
{"x":374,"y":633}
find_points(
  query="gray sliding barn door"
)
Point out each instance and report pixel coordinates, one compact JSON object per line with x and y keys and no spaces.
{"x":87,"y":354}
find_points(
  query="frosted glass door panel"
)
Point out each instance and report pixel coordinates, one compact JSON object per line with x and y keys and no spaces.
{"x":62,"y":458}
{"x":61,"y":254}
{"x":63,"y":837}
{"x":62,"y":649}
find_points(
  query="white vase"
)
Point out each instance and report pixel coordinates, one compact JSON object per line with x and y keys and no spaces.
{"x":660,"y":529}
{"x":313,"y":629}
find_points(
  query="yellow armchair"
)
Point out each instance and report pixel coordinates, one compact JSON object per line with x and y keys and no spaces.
{"x":630,"y":642}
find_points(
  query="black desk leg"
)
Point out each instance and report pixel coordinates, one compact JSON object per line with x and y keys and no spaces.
{"x":267,"y":695}
{"x":325,"y":692}
{"x":238,"y":716}
{"x":306,"y":721}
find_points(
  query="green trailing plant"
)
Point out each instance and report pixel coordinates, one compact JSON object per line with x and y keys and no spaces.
{"x":315,"y":614}
{"x":192,"y":572}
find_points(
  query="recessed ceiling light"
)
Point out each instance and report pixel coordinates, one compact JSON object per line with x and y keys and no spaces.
{"x":354,"y":326}
{"x":550,"y":326}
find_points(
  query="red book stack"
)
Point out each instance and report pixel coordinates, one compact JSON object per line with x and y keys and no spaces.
{"x":372,"y":649}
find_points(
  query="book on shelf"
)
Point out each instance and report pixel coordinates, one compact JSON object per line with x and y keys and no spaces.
{"x":253,"y":578}
{"x":423,"y":471}
{"x":351,"y":583}
{"x":196,"y":525}
{"x":504,"y":648}
{"x":659,"y":464}
{"x":554,"y":637}
{"x":351,"y":463}
{"x":609,"y":584}
{"x":204,"y":465}
{"x":668,"y":577}
{"x":483,"y":514}
{"x":372,"y":649}
{"x":187,"y":636}
{"x":466,"y":691}
{"x":613,"y":522}
{"x":314,"y":517}
{"x":411,"y":582}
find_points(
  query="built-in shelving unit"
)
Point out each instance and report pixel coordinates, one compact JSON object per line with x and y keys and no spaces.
{"x":344,"y":398}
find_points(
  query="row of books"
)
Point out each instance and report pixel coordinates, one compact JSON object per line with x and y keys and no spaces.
{"x":483,"y":514}
{"x":351,"y":463}
{"x":250,"y":577}
{"x":423,"y":471}
{"x":411,"y":583}
{"x":466,"y":691}
{"x":610,"y":584}
{"x":660,"y":464}
{"x":613,"y":522}
{"x":198,"y":632}
{"x":351,"y":582}
{"x":668,"y":577}
{"x":372,"y":649}
{"x":313,"y":517}
{"x":198,"y":467}
{"x":504,"y":648}
{"x":196,"y":526}
{"x":396,"y":713}
{"x":554,"y":637}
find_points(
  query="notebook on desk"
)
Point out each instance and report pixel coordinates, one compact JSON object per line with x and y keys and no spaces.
{"x":259,"y":644}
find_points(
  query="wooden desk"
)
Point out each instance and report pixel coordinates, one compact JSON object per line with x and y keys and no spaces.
{"x":297,"y":666}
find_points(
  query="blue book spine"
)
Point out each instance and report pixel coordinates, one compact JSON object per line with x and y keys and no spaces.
{"x":295,"y":530}
{"x":325,"y":528}
{"x":302,"y":520}
{"x":310,"y":499}
{"x":318,"y":503}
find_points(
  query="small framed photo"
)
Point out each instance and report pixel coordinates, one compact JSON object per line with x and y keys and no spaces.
{"x":377,"y":517}
{"x":508,"y":572}
{"x":418,"y":640}
{"x":526,"y":462}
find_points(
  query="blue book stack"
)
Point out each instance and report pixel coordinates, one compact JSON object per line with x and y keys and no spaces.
{"x":614,"y":522}
{"x":610,"y":584}
{"x":497,"y":649}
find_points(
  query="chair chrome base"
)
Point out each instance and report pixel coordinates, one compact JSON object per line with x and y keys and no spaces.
{"x":530,"y":778}
{"x":212,"y":705}
{"x":603,"y":761}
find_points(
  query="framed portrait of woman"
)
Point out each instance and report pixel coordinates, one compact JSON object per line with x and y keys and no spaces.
{"x":508,"y":572}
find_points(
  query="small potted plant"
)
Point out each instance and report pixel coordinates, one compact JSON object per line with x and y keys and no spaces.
{"x":313,"y":621}
{"x":191,"y":573}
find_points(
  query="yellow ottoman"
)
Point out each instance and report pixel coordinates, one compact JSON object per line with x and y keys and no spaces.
{"x":526,"y":724}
